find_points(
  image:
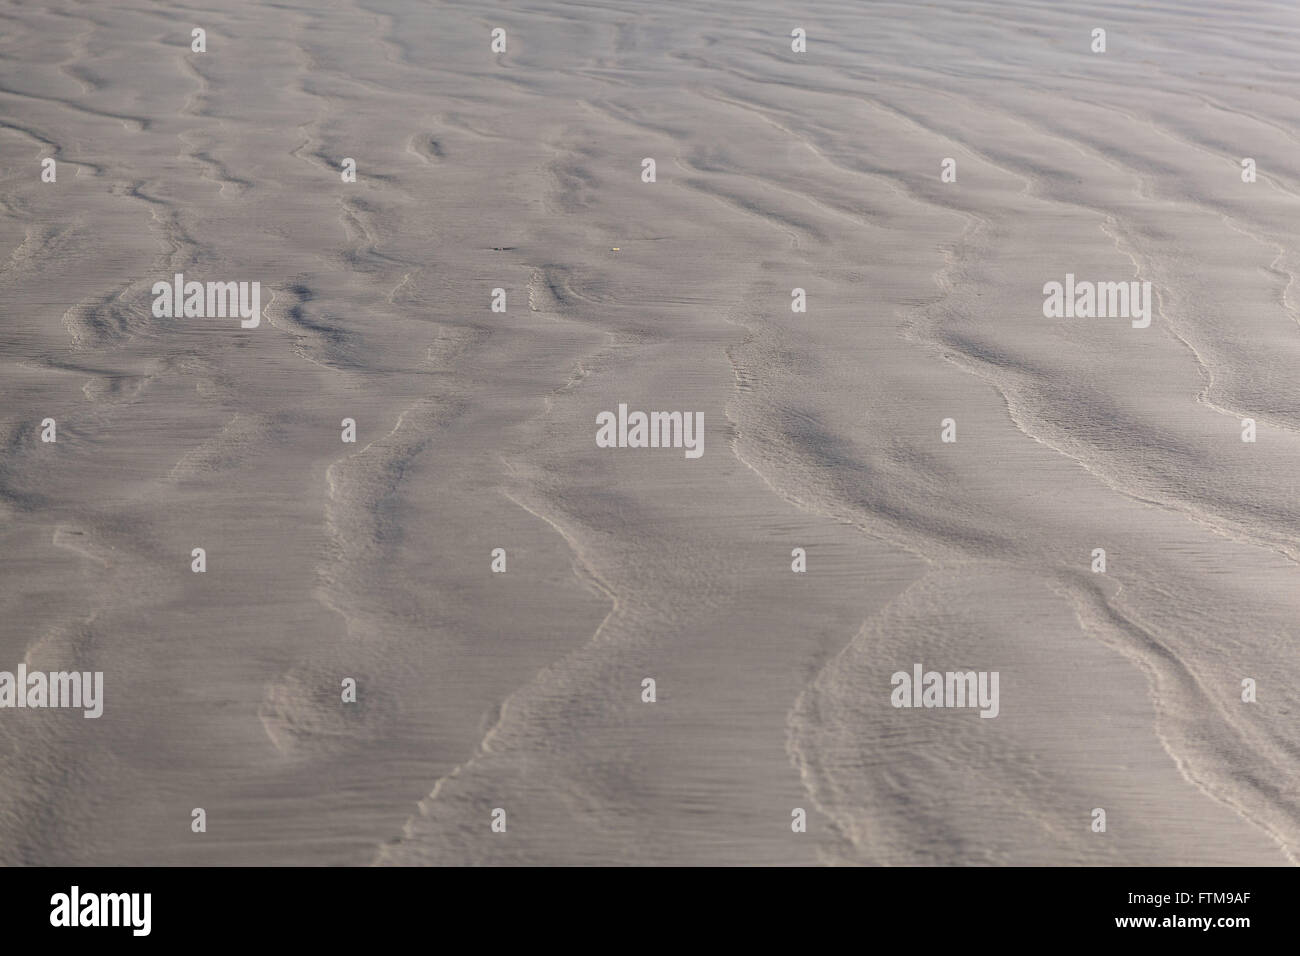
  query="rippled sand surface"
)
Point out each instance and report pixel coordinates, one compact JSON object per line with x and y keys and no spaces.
{"x":775,"y":170}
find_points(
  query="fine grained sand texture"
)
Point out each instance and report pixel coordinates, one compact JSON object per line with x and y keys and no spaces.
{"x":775,"y":170}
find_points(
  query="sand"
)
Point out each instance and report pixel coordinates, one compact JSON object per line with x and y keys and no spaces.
{"x":475,"y":430}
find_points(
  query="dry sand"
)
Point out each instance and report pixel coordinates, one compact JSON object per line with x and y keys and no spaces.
{"x":775,"y":170}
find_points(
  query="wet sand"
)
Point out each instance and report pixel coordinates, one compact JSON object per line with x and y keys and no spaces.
{"x":476,"y":429}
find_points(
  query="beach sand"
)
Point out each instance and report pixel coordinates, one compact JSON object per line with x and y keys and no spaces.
{"x":475,"y":429}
